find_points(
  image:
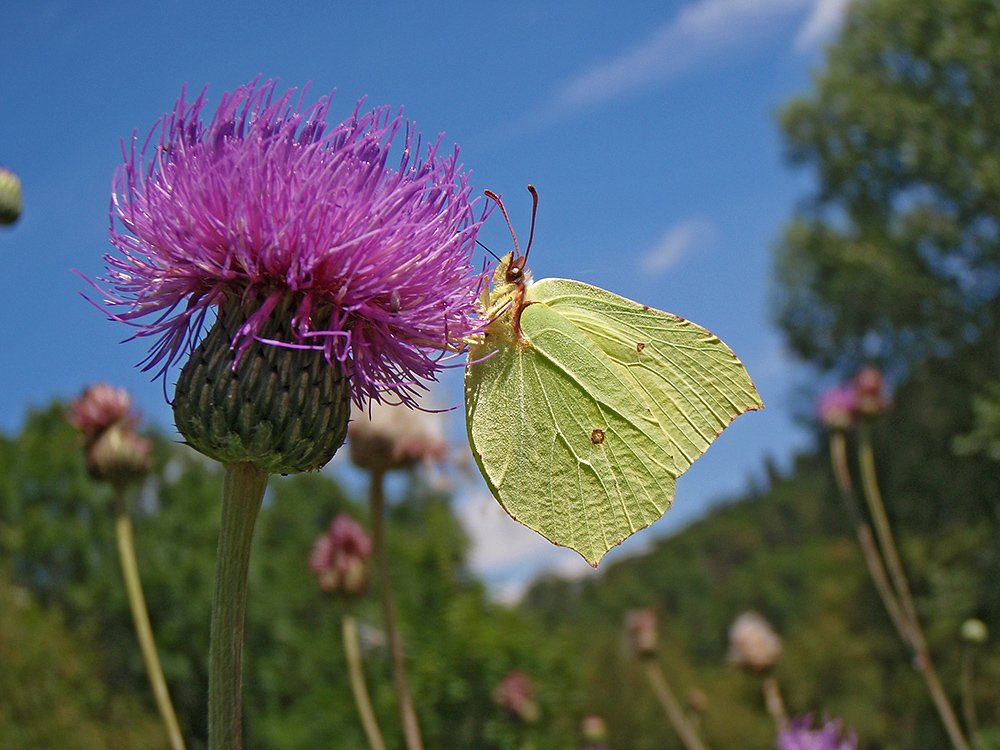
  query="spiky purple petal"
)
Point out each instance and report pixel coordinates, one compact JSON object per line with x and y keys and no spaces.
{"x":267,"y":202}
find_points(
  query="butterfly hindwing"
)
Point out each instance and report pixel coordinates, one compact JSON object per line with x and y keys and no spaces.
{"x":565,"y":442}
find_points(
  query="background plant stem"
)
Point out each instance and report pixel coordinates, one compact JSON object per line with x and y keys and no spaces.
{"x":675,"y":714}
{"x":924,"y":663}
{"x":242,"y":493}
{"x":774,"y":703}
{"x":407,"y":713}
{"x":352,"y":650}
{"x":140,"y":617}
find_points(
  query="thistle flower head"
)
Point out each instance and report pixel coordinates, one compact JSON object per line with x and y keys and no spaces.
{"x":113,"y":451}
{"x":753,"y":644}
{"x":640,"y":626}
{"x":836,"y":407}
{"x":339,"y":556}
{"x":871,"y":398}
{"x":268,"y":209}
{"x":799,"y":735}
{"x":99,"y":407}
{"x":388,"y":436}
{"x":516,"y":694}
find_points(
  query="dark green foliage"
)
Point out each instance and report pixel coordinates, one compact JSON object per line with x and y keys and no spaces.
{"x":56,"y":537}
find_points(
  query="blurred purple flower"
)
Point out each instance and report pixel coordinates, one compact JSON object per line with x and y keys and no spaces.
{"x":269,"y":208}
{"x":339,"y":557}
{"x":836,"y":407}
{"x":799,"y":735}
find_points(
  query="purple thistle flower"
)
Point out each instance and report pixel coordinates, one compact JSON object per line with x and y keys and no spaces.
{"x":799,"y":735}
{"x":267,"y":206}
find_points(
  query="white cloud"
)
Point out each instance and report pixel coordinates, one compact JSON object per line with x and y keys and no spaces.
{"x":677,"y":243}
{"x":700,"y":29}
{"x":508,"y":555}
{"x":823,"y":22}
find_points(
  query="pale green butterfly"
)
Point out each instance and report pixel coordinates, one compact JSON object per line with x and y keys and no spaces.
{"x":584,"y":407}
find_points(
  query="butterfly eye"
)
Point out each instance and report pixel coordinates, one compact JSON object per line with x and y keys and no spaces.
{"x":515,"y":272}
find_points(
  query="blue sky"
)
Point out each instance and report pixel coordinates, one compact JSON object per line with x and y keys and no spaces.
{"x":648,"y":129}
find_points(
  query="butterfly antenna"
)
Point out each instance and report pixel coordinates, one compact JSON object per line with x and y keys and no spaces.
{"x":488,"y":250}
{"x":496,"y":199}
{"x":534,"y":210}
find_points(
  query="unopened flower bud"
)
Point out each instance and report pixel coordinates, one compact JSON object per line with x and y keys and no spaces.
{"x":974,"y":631}
{"x":640,"y":625}
{"x":836,"y":408}
{"x":119,"y":456}
{"x":339,"y":557}
{"x":870,"y":395}
{"x":395,"y":437}
{"x":753,"y":644}
{"x":697,"y":700}
{"x":593,"y":728}
{"x":10,"y":196}
{"x":516,"y":694}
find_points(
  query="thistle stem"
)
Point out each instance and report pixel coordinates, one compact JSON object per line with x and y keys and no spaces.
{"x":407,"y":713}
{"x":352,"y":650}
{"x":242,"y":494}
{"x":774,"y":703}
{"x":924,"y":663}
{"x":869,"y":550}
{"x":140,"y":618}
{"x":671,"y":707}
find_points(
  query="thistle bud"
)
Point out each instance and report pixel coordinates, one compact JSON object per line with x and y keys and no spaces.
{"x":516,"y":694}
{"x":119,"y":456}
{"x":339,"y":557}
{"x":753,"y":644}
{"x":388,"y":437}
{"x":593,"y":728}
{"x":113,"y":451}
{"x":870,"y":395}
{"x":10,"y":196}
{"x":974,"y":631}
{"x":640,"y":626}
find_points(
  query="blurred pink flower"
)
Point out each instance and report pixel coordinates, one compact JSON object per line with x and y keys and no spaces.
{"x":836,"y":407}
{"x":339,"y":557}
{"x":98,"y":407}
{"x":870,"y":394}
{"x":516,"y":694}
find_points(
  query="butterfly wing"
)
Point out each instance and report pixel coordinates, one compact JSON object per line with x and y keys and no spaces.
{"x":566,"y":444}
{"x":689,"y":380}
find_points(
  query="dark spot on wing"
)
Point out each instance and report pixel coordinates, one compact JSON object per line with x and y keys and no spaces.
{"x":597,"y":436}
{"x":639,"y":347}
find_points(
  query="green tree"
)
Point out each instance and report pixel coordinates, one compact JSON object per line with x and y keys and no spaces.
{"x":897,"y":256}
